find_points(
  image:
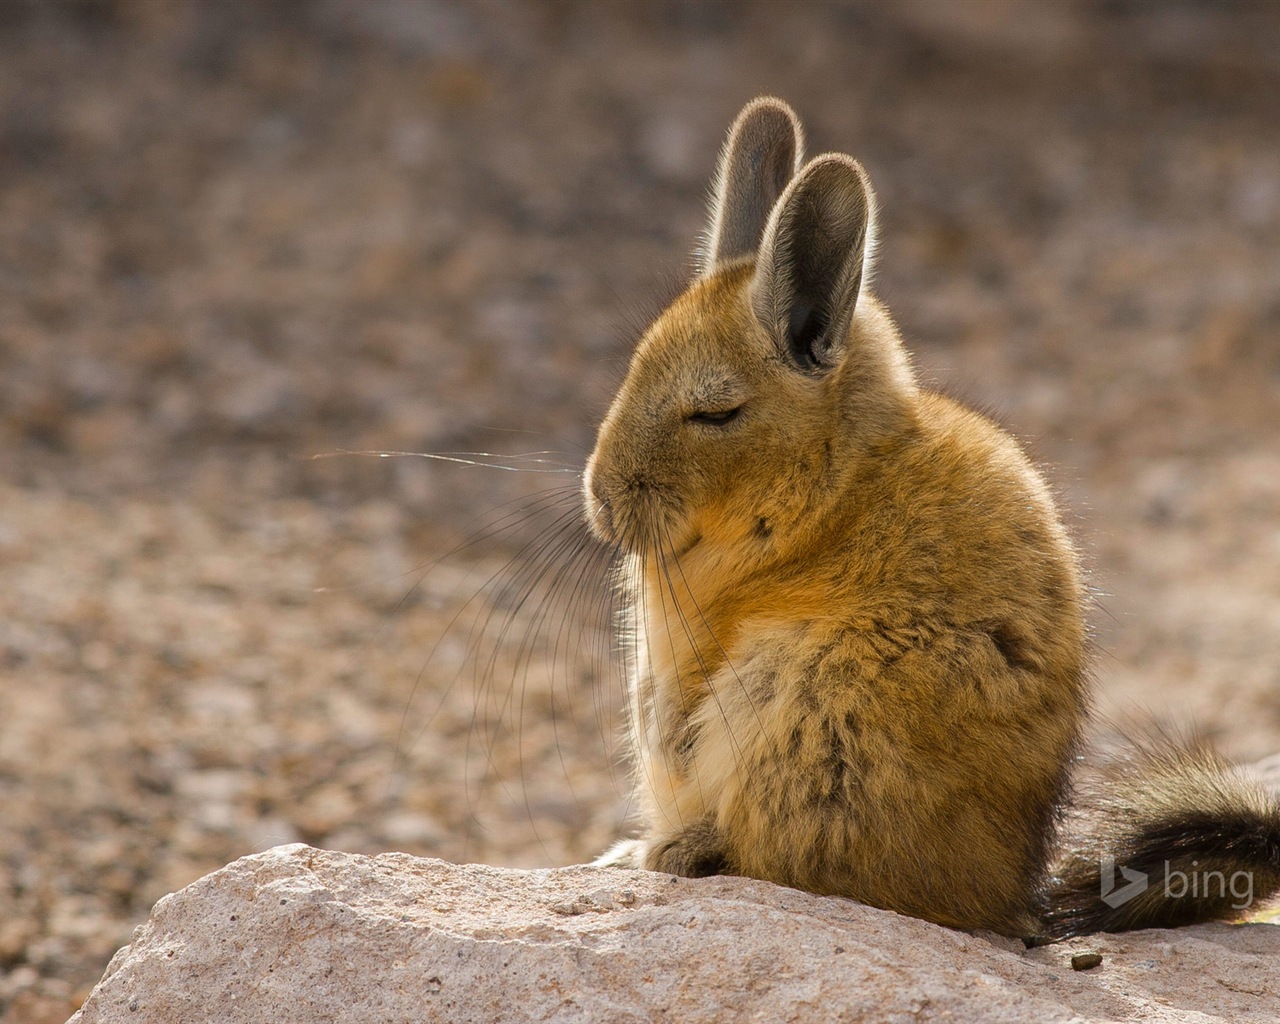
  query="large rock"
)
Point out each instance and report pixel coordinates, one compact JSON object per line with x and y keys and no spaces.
{"x":302,"y":935}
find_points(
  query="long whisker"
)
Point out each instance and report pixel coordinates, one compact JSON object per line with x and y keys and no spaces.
{"x":522,"y":575}
{"x":460,"y":458}
{"x":485,"y":674}
{"x":540,"y":603}
{"x":607,"y":611}
{"x":540,"y":503}
{"x":544,"y":559}
{"x":561,"y":560}
{"x":582,"y":615}
{"x":572,"y":570}
{"x":511,"y":572}
{"x":597,"y":607}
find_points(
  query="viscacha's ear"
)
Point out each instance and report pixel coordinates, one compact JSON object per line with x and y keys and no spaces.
{"x":815,"y":255}
{"x":764,"y":151}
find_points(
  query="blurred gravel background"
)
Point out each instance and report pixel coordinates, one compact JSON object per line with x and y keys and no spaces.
{"x":233,"y":236}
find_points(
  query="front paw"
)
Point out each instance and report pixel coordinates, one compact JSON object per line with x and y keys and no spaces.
{"x":694,"y":852}
{"x":626,"y":853}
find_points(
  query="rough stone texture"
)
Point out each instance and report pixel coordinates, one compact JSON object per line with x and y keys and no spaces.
{"x":303,"y":935}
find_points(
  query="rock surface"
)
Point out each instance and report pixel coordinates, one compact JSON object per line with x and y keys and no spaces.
{"x":304,"y":935}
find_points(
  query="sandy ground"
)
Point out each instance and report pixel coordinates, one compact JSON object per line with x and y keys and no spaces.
{"x":233,"y":237}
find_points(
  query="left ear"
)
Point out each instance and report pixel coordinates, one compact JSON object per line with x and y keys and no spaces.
{"x":814,"y":257}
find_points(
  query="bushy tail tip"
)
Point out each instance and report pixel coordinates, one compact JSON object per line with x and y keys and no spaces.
{"x":1168,"y":834}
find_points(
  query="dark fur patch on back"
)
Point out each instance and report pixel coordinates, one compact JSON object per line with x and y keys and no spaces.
{"x":1011,"y":645}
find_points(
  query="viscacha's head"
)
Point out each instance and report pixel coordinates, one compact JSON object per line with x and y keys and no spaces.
{"x":749,"y":398}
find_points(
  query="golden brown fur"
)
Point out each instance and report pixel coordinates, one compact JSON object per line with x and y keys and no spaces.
{"x":856,"y":623}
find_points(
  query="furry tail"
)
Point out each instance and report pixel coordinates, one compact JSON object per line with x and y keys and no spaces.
{"x":1167,"y":835}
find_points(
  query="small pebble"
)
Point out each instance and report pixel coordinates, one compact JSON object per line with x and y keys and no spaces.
{"x":1085,"y":961}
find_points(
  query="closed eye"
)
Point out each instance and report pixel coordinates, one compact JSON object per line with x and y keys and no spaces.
{"x":716,"y":418}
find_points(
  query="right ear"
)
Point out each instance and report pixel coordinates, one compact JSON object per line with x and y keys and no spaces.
{"x":764,"y":151}
{"x":813,"y":260}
